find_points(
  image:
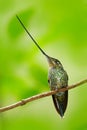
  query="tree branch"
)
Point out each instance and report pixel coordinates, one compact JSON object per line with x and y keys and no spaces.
{"x":42,"y":95}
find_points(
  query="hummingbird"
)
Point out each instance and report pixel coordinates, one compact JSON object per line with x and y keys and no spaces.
{"x":57,"y":77}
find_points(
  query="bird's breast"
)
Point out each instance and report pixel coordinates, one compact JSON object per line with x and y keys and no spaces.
{"x":57,"y":78}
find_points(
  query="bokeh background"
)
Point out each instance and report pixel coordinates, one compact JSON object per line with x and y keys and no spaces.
{"x":60,"y":28}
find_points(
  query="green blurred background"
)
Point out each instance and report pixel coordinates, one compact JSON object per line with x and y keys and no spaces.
{"x":60,"y":28}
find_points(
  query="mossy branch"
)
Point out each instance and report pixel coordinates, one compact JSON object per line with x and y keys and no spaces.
{"x":42,"y":95}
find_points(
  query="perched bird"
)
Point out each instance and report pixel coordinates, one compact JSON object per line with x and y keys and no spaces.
{"x":57,"y":78}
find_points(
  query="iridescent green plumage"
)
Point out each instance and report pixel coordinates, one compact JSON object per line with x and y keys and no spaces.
{"x":57,"y":78}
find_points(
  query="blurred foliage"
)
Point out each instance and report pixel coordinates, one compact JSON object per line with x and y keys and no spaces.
{"x":60,"y":28}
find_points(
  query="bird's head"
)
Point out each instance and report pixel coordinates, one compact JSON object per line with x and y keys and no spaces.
{"x":54,"y":62}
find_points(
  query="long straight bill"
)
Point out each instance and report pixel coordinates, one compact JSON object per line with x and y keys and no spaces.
{"x":31,"y":36}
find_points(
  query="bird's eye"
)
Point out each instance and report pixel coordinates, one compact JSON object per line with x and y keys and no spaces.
{"x":57,"y":61}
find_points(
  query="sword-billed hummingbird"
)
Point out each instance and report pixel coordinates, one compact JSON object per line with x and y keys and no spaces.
{"x":57,"y":78}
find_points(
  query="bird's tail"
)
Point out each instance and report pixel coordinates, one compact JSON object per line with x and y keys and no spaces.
{"x":60,"y":102}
